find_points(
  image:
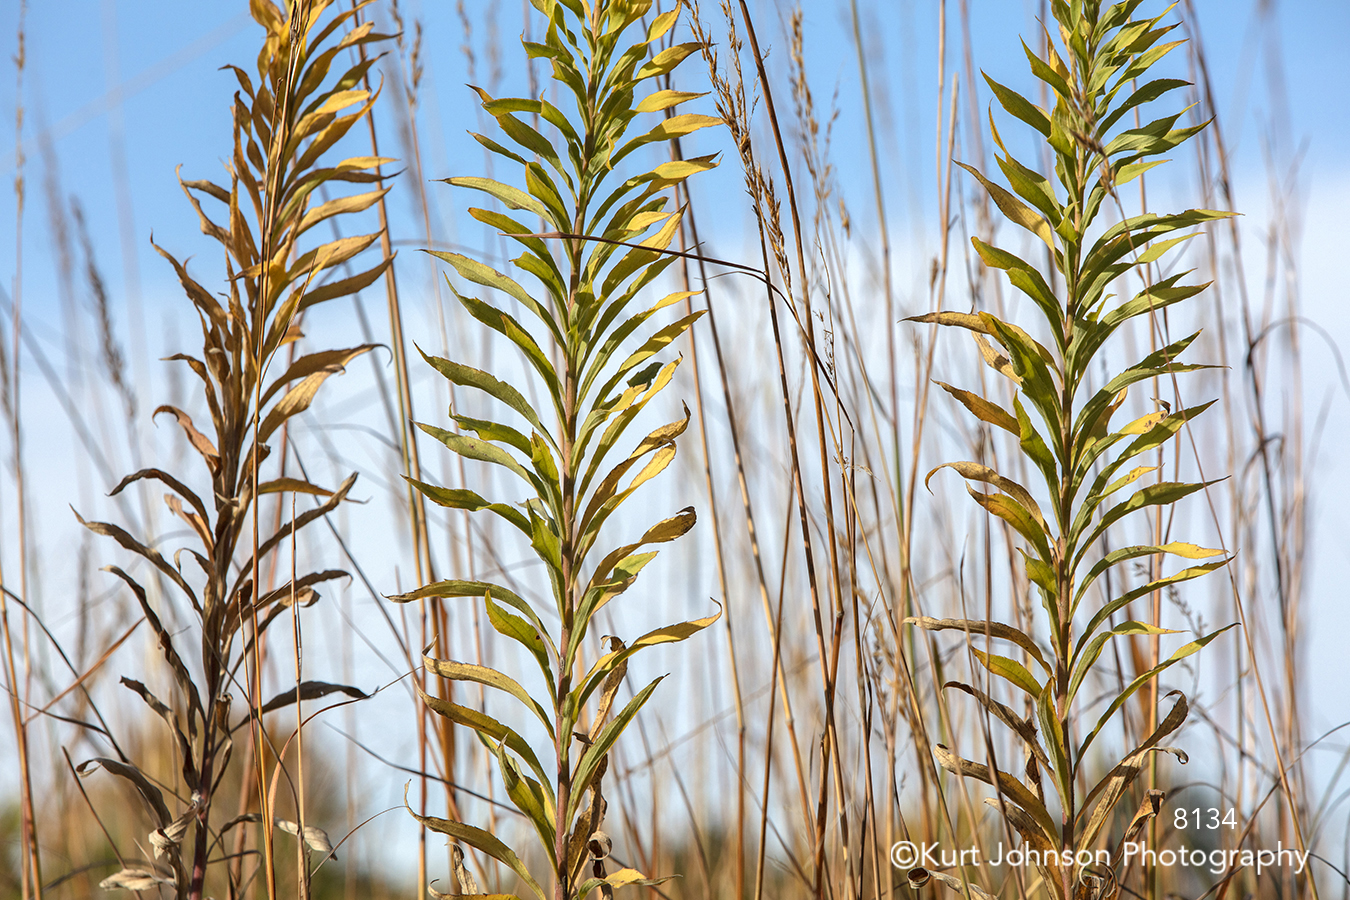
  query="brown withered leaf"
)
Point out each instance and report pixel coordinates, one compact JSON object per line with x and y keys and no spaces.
{"x":310,"y":690}
{"x":136,"y":878}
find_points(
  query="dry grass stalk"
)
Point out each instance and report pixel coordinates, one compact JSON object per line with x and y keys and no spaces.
{"x":31,"y":860}
{"x":896,"y":555}
{"x":283,"y":126}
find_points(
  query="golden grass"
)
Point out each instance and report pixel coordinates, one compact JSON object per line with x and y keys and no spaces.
{"x":813,"y":431}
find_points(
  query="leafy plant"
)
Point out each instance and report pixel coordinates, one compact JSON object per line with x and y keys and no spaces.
{"x":581,"y":319}
{"x":283,"y":128}
{"x":1082,"y":459}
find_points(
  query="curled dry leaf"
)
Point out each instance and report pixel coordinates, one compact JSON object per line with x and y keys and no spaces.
{"x":919,"y":876}
{"x":468,"y":887}
{"x":316,"y":838}
{"x":600,"y":845}
{"x":171,"y":835}
{"x":1149,"y":807}
{"x":148,"y":791}
{"x":463,"y":876}
{"x":136,"y":878}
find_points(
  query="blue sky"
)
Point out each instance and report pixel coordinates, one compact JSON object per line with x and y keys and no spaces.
{"x":162,"y":61}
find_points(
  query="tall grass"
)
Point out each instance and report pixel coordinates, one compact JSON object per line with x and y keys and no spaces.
{"x":596,"y":387}
{"x":789,"y":758}
{"x":1108,"y":55}
{"x":283,"y":125}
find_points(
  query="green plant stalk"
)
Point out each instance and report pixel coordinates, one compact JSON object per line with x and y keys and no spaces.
{"x":1107,"y":52}
{"x":595,"y":393}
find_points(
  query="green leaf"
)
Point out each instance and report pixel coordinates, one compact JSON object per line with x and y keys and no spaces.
{"x":1017,"y":516}
{"x":1054,"y":739}
{"x":468,"y":376}
{"x":1022,"y":276}
{"x":1016,"y":211}
{"x":455,"y":588}
{"x":483,"y":451}
{"x":1161,"y":363}
{"x":488,"y":277}
{"x":479,"y":840}
{"x":665,"y":61}
{"x":1161,"y":494}
{"x":1032,"y":363}
{"x":598,"y":357}
{"x":980,"y":628}
{"x":666,"y":99}
{"x":1086,"y":657}
{"x":514,"y":198}
{"x":1155,"y":437}
{"x":495,"y":432}
{"x":529,"y":797}
{"x":1009,"y":669}
{"x":600,"y":747}
{"x":1020,"y":106}
{"x":981,"y":408}
{"x":488,"y":727}
{"x":521,"y":631}
{"x":973,"y":471}
{"x":660,"y":437}
{"x":1033,"y":445}
{"x":507,"y":326}
{"x":649,"y":348}
{"x":463,"y":498}
{"x":1183,"y":652}
{"x":1031,"y":186}
{"x":621,"y":878}
{"x":668,"y":634}
{"x":669,"y":129}
{"x":460,"y":671}
{"x":607,"y":498}
{"x":1128,"y":597}
{"x":1047,"y":73}
{"x":1146,"y":93}
{"x":1123,"y":554}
